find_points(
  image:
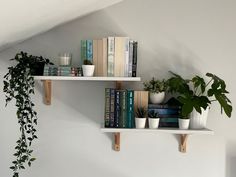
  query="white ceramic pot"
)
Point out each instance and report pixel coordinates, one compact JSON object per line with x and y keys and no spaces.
{"x":140,"y":122}
{"x":184,"y":124}
{"x":153,"y":123}
{"x":88,"y":70}
{"x":157,"y":98}
{"x":197,"y":120}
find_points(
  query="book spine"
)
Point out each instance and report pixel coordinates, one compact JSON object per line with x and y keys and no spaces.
{"x":123,"y":116}
{"x":163,"y":106}
{"x":95,"y":56}
{"x":104,"y":57}
{"x":130,"y":109}
{"x":83,"y":51}
{"x":165,"y":111}
{"x":126,"y":63}
{"x":112,"y":107}
{"x":111,"y":54}
{"x":130,"y":58}
{"x":107,"y":107}
{"x":89,"y":54}
{"x":117,"y":109}
{"x":135,"y":52}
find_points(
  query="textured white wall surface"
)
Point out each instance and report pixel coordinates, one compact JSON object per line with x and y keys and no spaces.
{"x":188,"y":37}
{"x":25,"y":18}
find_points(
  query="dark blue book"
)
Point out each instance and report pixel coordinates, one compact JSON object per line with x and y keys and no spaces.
{"x":130,"y":109}
{"x":134,"y":63}
{"x":117,"y":109}
{"x":163,"y":106}
{"x":112,"y":107}
{"x":107,"y":107}
{"x":165,"y":111}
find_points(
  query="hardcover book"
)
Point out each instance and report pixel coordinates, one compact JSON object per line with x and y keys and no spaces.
{"x":112,"y":107}
{"x":83,"y":51}
{"x":135,"y":52}
{"x":111,"y":55}
{"x":107,"y":107}
{"x":89,"y":53}
{"x":130,"y":109}
{"x":140,"y":99}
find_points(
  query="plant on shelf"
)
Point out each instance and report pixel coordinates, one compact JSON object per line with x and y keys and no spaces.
{"x":140,"y":117}
{"x":156,"y":90}
{"x":88,"y":68}
{"x":19,"y":86}
{"x":153,"y":120}
{"x":197,"y":95}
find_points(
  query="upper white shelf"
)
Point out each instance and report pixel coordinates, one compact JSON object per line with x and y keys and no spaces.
{"x":65,"y":78}
{"x":160,"y":130}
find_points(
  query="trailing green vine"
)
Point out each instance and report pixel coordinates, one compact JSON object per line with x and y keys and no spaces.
{"x":19,"y":86}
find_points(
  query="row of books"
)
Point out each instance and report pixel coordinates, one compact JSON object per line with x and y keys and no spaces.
{"x":168,"y":114}
{"x":52,"y":70}
{"x":112,"y":56}
{"x":120,"y":106}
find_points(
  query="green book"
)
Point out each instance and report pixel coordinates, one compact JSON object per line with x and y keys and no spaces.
{"x":130,"y":109}
{"x":123,"y":110}
{"x":107,"y":107}
{"x":83,"y":51}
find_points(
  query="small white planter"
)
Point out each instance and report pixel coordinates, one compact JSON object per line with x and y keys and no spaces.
{"x":157,"y":98}
{"x":197,"y":120}
{"x":88,"y":70}
{"x":184,"y":124}
{"x":153,"y":123}
{"x":140,"y":122}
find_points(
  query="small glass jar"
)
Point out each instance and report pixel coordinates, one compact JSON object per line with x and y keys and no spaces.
{"x":65,"y":59}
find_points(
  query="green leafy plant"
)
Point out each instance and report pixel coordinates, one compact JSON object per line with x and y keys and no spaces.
{"x":152,"y":114}
{"x":195,"y":93}
{"x":87,"y":62}
{"x":155,"y":86}
{"x":19,"y":86}
{"x":141,"y":112}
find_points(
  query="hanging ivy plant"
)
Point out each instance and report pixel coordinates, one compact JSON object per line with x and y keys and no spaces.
{"x":19,"y":86}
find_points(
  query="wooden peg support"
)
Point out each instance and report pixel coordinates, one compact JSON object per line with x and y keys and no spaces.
{"x":117,"y":141}
{"x":183,"y":143}
{"x":47,"y":84}
{"x":118,"y":85}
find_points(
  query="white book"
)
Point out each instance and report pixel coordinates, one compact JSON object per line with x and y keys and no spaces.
{"x":130,"y":58}
{"x":126,"y":63}
{"x":110,"y":56}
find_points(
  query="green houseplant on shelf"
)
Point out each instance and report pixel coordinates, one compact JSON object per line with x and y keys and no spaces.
{"x":88,"y":68}
{"x":156,"y":90}
{"x":153,"y":119}
{"x":19,"y":86}
{"x":140,"y":117}
{"x":196,"y":96}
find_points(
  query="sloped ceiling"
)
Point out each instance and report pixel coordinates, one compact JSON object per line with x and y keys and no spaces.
{"x":22,"y":19}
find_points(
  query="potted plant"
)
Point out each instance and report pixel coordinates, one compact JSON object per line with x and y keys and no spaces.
{"x":19,"y":86}
{"x":156,"y":90}
{"x":196,"y":96}
{"x":88,"y":68}
{"x":140,"y":118}
{"x":153,"y":120}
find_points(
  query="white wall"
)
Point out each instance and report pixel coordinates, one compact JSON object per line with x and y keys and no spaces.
{"x":185,"y":36}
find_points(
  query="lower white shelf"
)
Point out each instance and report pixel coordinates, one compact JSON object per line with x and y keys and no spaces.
{"x":183,"y":134}
{"x":159,"y":130}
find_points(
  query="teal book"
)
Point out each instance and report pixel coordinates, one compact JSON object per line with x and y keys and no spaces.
{"x":112,"y":107}
{"x":130,"y":109}
{"x":89,"y":52}
{"x":83,"y":51}
{"x":123,"y":111}
{"x":107,"y":107}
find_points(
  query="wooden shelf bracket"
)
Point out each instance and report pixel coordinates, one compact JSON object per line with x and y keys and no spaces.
{"x":183,"y":143}
{"x":117,"y":141}
{"x":47,"y":84}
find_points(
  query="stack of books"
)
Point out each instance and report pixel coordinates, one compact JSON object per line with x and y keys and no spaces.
{"x":112,"y":56}
{"x":52,"y":70}
{"x":120,"y":106}
{"x":168,"y":114}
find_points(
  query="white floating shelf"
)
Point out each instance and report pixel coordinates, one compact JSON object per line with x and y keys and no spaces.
{"x":159,"y":130}
{"x":65,"y":78}
{"x":182,"y":133}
